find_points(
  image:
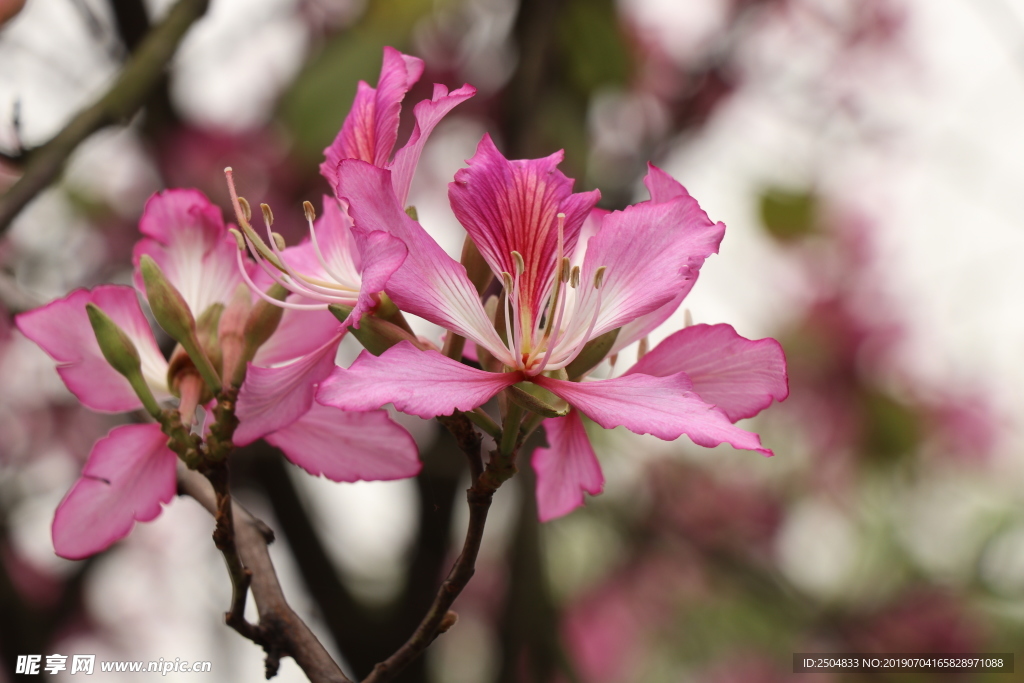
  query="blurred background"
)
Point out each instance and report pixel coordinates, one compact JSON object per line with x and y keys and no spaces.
{"x":867,"y":157}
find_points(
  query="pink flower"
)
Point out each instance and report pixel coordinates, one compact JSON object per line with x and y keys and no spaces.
{"x":340,"y":263}
{"x":561,"y":292}
{"x":131,"y":470}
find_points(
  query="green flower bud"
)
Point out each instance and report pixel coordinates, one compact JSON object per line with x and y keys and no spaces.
{"x":376,"y":335}
{"x":119,"y":350}
{"x":594,"y":352}
{"x":537,"y":399}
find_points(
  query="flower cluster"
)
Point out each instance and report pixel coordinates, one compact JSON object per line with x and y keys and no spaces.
{"x":558,"y":287}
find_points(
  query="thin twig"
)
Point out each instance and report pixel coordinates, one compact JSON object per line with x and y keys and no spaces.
{"x":283,"y":632}
{"x":479,"y":496}
{"x":124,"y":98}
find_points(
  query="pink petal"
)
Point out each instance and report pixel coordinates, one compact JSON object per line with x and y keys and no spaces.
{"x":343,"y":446}
{"x":381,"y":255}
{"x":273,"y":398}
{"x":509,"y":206}
{"x":566,"y":469}
{"x":188,"y":239}
{"x":61,"y":328}
{"x":647,"y":323}
{"x":428,"y":114}
{"x":662,"y":186}
{"x":371,"y":127}
{"x":430,"y":283}
{"x":129,"y":473}
{"x":299,"y":334}
{"x":739,"y":376}
{"x":663,"y":406}
{"x":652,"y":253}
{"x":423,"y":383}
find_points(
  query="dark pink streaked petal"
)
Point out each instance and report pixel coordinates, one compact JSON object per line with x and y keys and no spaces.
{"x":739,"y":376}
{"x":371,"y":127}
{"x":429,"y":283}
{"x":666,"y":407}
{"x":652,"y":254}
{"x":364,"y":446}
{"x":62,"y":329}
{"x":381,"y":255}
{"x":187,"y":237}
{"x":662,"y":186}
{"x":273,"y":398}
{"x":129,"y":473}
{"x":428,"y":114}
{"x":566,"y":469}
{"x":422,"y":383}
{"x":509,"y":206}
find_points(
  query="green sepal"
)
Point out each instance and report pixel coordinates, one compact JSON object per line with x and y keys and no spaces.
{"x":537,"y":399}
{"x":376,"y":335}
{"x":596,"y":350}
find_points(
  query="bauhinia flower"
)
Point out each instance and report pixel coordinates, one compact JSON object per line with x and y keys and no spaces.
{"x":131,"y":471}
{"x":340,"y":263}
{"x":560,"y":300}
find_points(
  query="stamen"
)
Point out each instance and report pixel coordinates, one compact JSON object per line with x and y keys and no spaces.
{"x":278,"y":241}
{"x":307,"y":208}
{"x":565,"y":269}
{"x":574,"y":279}
{"x":261,"y":294}
{"x":342,"y":282}
{"x":240,"y":214}
{"x":520,"y":264}
{"x":641,"y":350}
{"x":239,"y":240}
{"x":246,"y":209}
{"x":507,"y":280}
{"x":599,"y":277}
{"x":268,"y":215}
{"x":687,"y":318}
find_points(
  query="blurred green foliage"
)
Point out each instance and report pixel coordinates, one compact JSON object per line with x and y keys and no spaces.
{"x":789,"y":214}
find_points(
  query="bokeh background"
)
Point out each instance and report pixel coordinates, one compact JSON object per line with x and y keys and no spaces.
{"x":867,"y":157}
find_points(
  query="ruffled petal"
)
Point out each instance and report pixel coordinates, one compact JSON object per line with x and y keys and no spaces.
{"x":739,"y":376}
{"x":187,"y":237}
{"x":429,"y":283}
{"x":428,"y":114}
{"x":129,"y":473}
{"x":371,"y":127}
{"x":62,"y":329}
{"x":342,"y":446}
{"x":381,"y":255}
{"x":662,"y":186}
{"x":566,"y":469}
{"x":422,"y":383}
{"x":666,"y":407}
{"x":509,"y":206}
{"x":273,"y":398}
{"x":652,"y":253}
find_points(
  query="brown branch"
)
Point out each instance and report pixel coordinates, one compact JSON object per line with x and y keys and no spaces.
{"x":124,"y":98}
{"x":439,"y":618}
{"x":280,"y":629}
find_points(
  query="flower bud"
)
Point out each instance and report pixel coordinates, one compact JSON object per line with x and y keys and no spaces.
{"x":169,"y":307}
{"x":231,"y":330}
{"x":119,"y":350}
{"x":593,"y":353}
{"x":375,"y":334}
{"x":263,"y":321}
{"x":173,"y":314}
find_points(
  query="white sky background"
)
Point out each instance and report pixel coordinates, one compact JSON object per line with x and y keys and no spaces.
{"x":944,"y":190}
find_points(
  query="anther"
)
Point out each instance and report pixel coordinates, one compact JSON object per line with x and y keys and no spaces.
{"x":687,"y":318}
{"x":246,"y":209}
{"x":520,"y":264}
{"x":268,"y":215}
{"x":642,"y":348}
{"x":599,"y":277}
{"x":238,"y":238}
{"x":308,"y":209}
{"x":565,"y":269}
{"x":574,"y":278}
{"x":278,"y":240}
{"x":507,"y":279}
